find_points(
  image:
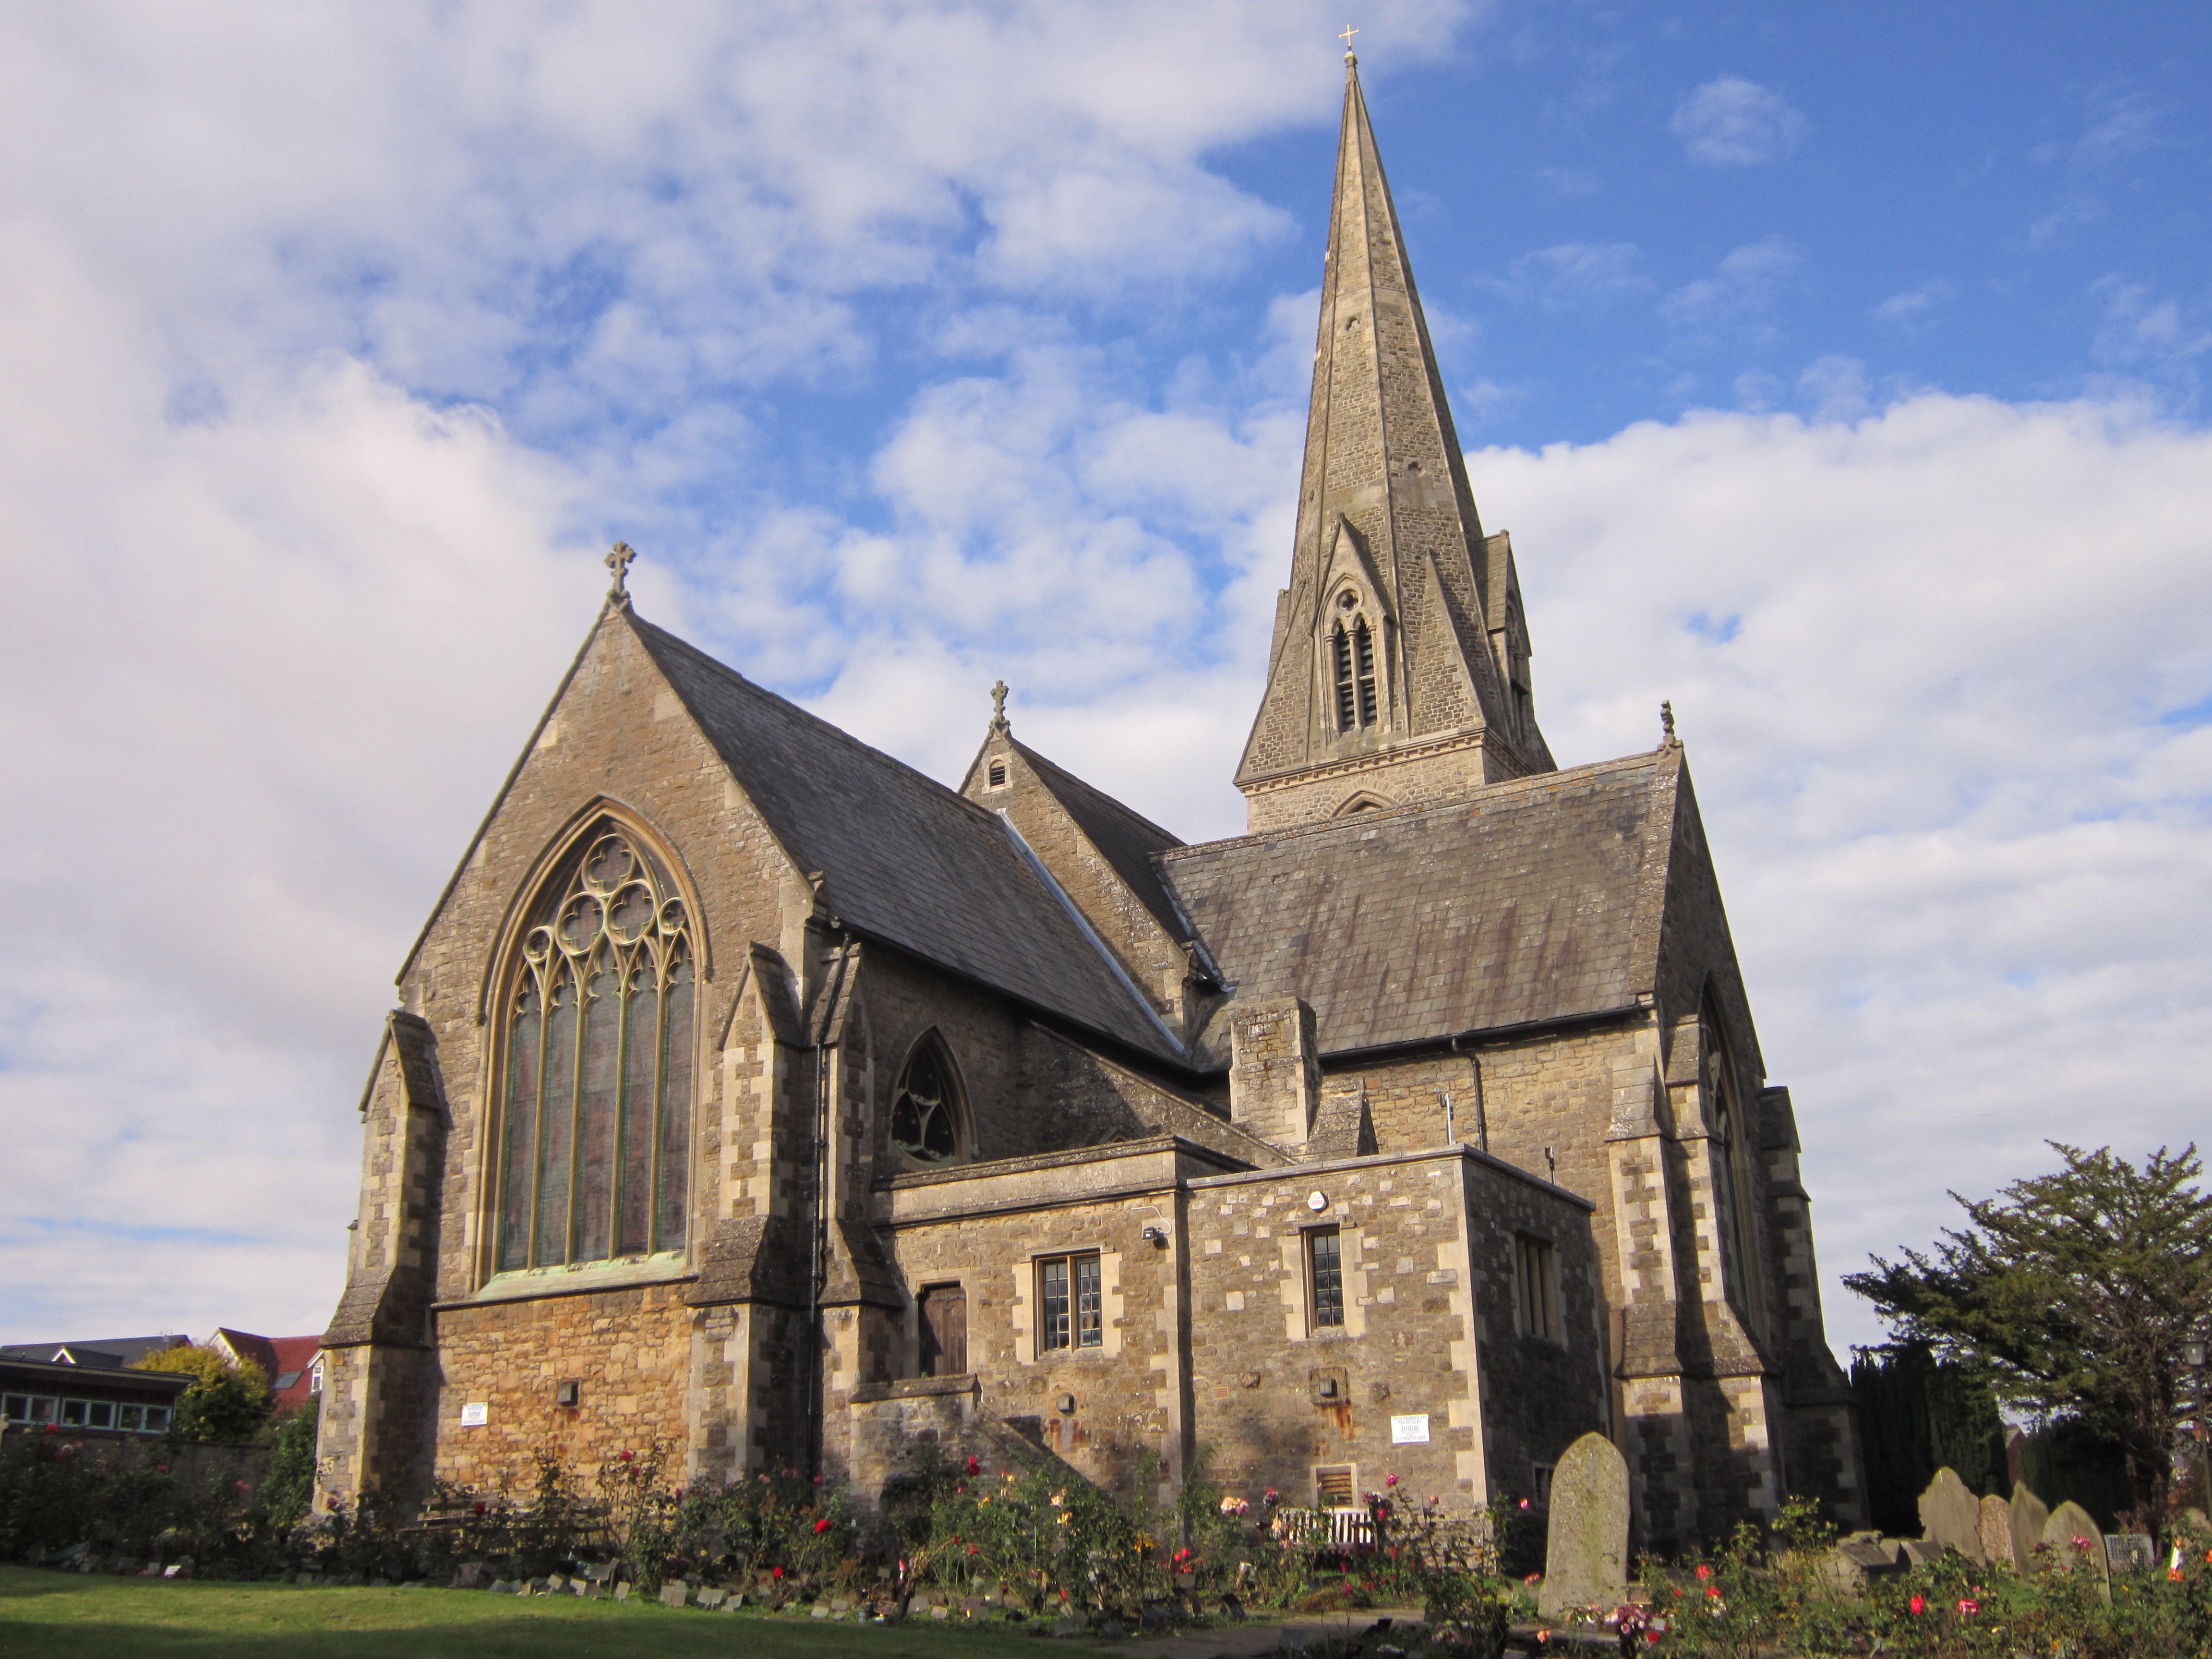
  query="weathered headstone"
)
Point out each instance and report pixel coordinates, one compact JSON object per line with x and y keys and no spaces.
{"x":2128,"y":1552}
{"x":1920,"y":1552}
{"x":2029,"y":1517}
{"x":711,"y":1598}
{"x":1586,"y":1539}
{"x":1996,"y":1531}
{"x":621,"y":1591}
{"x":1951,"y":1515}
{"x":675,"y":1594}
{"x":2072,"y":1534}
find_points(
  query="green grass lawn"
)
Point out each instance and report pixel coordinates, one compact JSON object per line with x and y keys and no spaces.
{"x":67,"y":1614}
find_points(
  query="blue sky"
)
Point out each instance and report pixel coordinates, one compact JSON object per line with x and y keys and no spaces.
{"x":1838,"y":371}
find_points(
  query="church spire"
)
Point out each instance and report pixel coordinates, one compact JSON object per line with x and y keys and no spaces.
{"x":1400,"y":667}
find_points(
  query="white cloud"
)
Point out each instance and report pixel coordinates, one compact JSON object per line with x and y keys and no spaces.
{"x":1934,"y":669}
{"x":1909,"y":312}
{"x":1579,"y":276}
{"x":1740,"y":289}
{"x":1730,"y":122}
{"x":232,"y":701}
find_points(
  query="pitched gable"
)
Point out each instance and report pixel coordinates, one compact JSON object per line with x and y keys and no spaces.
{"x":904,"y":859}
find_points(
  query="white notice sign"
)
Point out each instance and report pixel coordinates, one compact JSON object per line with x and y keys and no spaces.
{"x":478,"y":1413}
{"x":1410,"y":1430}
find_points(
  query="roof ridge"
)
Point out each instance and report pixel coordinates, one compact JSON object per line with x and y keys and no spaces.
{"x":1044,"y":763}
{"x":828,"y":727}
{"x":1533,"y":783}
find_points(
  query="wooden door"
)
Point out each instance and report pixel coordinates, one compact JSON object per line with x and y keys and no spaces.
{"x":944,"y":1330}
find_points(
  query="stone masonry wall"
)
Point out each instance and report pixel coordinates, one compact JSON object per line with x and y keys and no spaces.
{"x":1104,"y":1409}
{"x":1422,"y":1335}
{"x":630,"y":1351}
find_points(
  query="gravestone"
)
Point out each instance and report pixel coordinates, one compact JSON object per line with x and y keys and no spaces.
{"x":621,"y":1591}
{"x":1996,"y":1531}
{"x":711,"y":1598}
{"x":2029,"y":1517}
{"x":2128,"y":1552}
{"x":468,"y":1575}
{"x":1586,"y":1538}
{"x":1951,"y":1515}
{"x":675,"y":1594}
{"x":2072,"y":1534}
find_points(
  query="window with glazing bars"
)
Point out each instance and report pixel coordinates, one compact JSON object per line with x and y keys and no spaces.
{"x":1069,"y":1299}
{"x":1325,"y":1268}
{"x":597,"y":1091}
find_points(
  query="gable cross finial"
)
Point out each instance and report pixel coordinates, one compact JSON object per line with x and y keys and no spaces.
{"x":998,"y":706}
{"x":618,"y":561}
{"x":1347,"y":38}
{"x":1667,"y":738}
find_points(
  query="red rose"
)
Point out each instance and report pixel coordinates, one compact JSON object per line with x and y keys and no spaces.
{"x":823,"y":1525}
{"x":1704,"y":1571}
{"x":1917,"y":1606}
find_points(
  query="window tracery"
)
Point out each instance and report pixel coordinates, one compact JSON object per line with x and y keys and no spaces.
{"x":597,"y":1097}
{"x":926,"y":1107}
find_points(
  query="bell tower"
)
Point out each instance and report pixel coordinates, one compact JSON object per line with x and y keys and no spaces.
{"x":1400,"y":669}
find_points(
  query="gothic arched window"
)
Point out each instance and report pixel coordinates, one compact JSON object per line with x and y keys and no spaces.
{"x":925,"y":1106}
{"x":1731,"y":1165}
{"x":1354,"y":654}
{"x":597,"y":1102}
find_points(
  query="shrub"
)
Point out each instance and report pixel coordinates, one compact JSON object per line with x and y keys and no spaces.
{"x":225,"y":1404}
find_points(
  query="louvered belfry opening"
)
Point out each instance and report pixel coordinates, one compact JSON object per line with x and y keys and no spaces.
{"x":1353,"y":651}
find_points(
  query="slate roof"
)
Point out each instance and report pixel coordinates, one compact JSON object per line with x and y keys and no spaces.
{"x":905,"y":859}
{"x":1124,"y":839}
{"x":99,"y":1353}
{"x":1530,"y":900}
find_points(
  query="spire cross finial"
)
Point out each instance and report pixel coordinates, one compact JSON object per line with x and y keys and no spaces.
{"x":998,"y":706}
{"x":1666,"y":723}
{"x":618,"y":561}
{"x":1347,"y":38}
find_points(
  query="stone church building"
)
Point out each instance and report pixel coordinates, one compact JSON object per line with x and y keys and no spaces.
{"x":753,"y":1093}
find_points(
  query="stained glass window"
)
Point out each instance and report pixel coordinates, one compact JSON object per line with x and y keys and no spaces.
{"x":925,"y":1115}
{"x":598,"y":1108}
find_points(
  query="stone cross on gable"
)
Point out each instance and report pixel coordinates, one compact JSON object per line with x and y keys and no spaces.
{"x":998,"y":706}
{"x":618,"y":561}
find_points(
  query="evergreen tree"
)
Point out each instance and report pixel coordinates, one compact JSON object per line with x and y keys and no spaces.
{"x":1919,"y":1414}
{"x":2074,"y":1294}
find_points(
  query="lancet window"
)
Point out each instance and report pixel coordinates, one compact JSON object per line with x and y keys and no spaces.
{"x":597,"y":1088}
{"x":926,"y":1107}
{"x":1731,"y":1167}
{"x":1354,"y":650}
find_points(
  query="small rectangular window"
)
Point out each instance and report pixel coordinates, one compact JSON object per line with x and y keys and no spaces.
{"x":16,"y":1408}
{"x":42,"y":1411}
{"x":1325,"y":1271}
{"x":157,"y":1419}
{"x":997,"y":774}
{"x":131,"y":1418}
{"x":1070,"y":1297}
{"x":1541,"y":1498}
{"x":1536,"y":1288}
{"x":315,"y":1378}
{"x":1336,"y":1487}
{"x":100,"y":1414}
{"x":73,"y":1413}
